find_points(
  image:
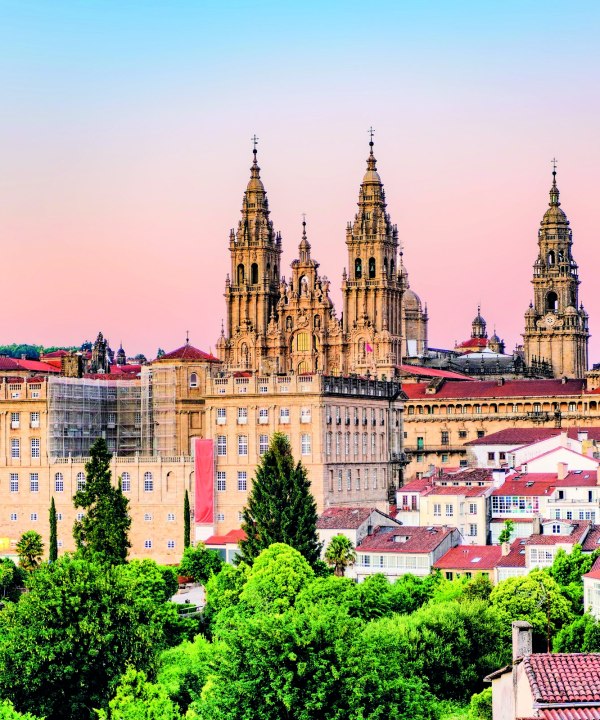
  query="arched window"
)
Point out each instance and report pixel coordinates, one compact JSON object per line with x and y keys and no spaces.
{"x":358,"y":269}
{"x":303,"y":342}
{"x":561,"y":256}
{"x":80,"y":481}
{"x":385,"y":267}
{"x":289,"y":323}
{"x":193,"y":380}
{"x":551,"y":257}
{"x":240,"y":274}
{"x":303,"y":286}
{"x":392,"y":268}
{"x":148,"y":482}
{"x":317,"y":322}
{"x":371,"y":267}
{"x":303,"y":368}
{"x":254,"y":274}
{"x":552,"y":301}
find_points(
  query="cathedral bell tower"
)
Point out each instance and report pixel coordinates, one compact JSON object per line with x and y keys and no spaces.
{"x":372,"y":288}
{"x":556,"y":329}
{"x":252,"y":288}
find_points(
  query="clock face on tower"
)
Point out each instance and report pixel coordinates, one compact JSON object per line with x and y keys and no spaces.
{"x":550,"y":319}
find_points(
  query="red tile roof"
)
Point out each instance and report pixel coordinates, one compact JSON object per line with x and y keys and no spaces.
{"x":419,"y":371}
{"x":473,"y":342}
{"x":564,"y":677}
{"x":188,"y":352}
{"x":580,"y":528}
{"x":416,"y":484}
{"x":594,"y":573}
{"x":342,"y":518}
{"x":592,"y":540}
{"x":466,"y":490}
{"x":55,"y":354}
{"x":576,"y":713}
{"x":7,"y":363}
{"x":490,"y":389}
{"x":461,"y":475}
{"x":527,"y":485}
{"x":232,"y":537}
{"x":515,"y":556}
{"x":410,"y":539}
{"x":525,"y":436}
{"x":470,"y":557}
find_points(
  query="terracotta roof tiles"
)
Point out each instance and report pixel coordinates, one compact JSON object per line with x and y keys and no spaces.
{"x":470,"y":557}
{"x":564,"y":677}
{"x":490,"y":389}
{"x":404,"y":539}
{"x":188,"y":352}
{"x":342,"y":518}
{"x":525,"y":436}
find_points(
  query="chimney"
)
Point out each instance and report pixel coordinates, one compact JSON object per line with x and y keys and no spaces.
{"x":564,"y":439}
{"x":582,"y":435}
{"x":522,"y":639}
{"x":505,"y":549}
{"x":536,"y":527}
{"x":562,"y":470}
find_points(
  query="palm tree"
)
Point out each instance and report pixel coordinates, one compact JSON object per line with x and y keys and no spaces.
{"x":30,"y":548}
{"x":340,"y":554}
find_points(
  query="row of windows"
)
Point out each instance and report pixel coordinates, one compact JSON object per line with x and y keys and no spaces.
{"x":15,"y":420}
{"x":242,"y":480}
{"x":59,"y":482}
{"x":357,"y":416}
{"x":15,"y":448}
{"x":393,"y":561}
{"x":358,"y":440}
{"x":569,"y":515}
{"x":263,"y":415}
{"x":492,"y":408}
{"x":449,"y":509}
{"x":263,"y":445}
{"x":515,"y":504}
{"x":356,"y":480}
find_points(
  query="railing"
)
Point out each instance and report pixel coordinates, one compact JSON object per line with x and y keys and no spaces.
{"x":123,"y":460}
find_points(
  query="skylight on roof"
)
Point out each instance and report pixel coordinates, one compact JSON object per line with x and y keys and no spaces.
{"x":475,"y":559}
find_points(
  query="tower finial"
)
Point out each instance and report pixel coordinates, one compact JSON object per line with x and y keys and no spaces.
{"x":187,"y":337}
{"x":254,"y":144}
{"x":371,"y":133}
{"x":304,"y":226}
{"x":554,"y":193}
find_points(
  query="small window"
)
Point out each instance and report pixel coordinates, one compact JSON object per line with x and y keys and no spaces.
{"x":220,"y":517}
{"x":263,"y":444}
{"x":242,"y":445}
{"x":358,"y":269}
{"x":193,"y":380}
{"x":148,"y":544}
{"x":148,"y":517}
{"x":80,"y":481}
{"x":170,"y":544}
{"x":242,"y":477}
{"x":221,"y":481}
{"x":59,"y":483}
{"x":306,"y":444}
{"x":35,"y":447}
{"x":34,"y":482}
{"x":33,"y":517}
{"x":13,"y":516}
{"x":15,"y":448}
{"x":148,"y":482}
{"x":221,"y":445}
{"x":126,"y":482}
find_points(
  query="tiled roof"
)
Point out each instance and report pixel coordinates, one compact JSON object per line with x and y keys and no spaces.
{"x":36,"y":380}
{"x":574,"y":456}
{"x":7,"y":363}
{"x":342,"y":518}
{"x":515,"y":556}
{"x":576,"y":713}
{"x":592,"y":540}
{"x":410,"y":539}
{"x":420,"y":371}
{"x":564,"y":677}
{"x":188,"y":352}
{"x":490,"y":389}
{"x":416,"y":484}
{"x":580,"y":528}
{"x":526,"y":436}
{"x":526,"y":486}
{"x":473,"y":342}
{"x":470,"y":557}
{"x":109,"y":376}
{"x":462,"y":475}
{"x":56,"y":354}
{"x":232,"y":537}
{"x":466,"y":490}
{"x":594,"y":573}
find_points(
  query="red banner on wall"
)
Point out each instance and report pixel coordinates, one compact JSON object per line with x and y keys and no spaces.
{"x":204,"y":499}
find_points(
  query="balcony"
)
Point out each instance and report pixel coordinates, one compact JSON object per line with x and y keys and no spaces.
{"x":538,"y":416}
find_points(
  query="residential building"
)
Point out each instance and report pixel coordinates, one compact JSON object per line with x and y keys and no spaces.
{"x":468,"y":561}
{"x":353,"y":522}
{"x":591,"y":590}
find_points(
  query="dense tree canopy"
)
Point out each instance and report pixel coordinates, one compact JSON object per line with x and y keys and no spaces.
{"x":200,"y":563}
{"x":281,"y":508}
{"x":30,"y":549}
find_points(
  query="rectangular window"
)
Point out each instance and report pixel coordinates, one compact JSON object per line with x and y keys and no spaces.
{"x":35,"y":447}
{"x":221,"y":416}
{"x":472,"y":508}
{"x":221,"y":445}
{"x":147,"y":517}
{"x":374,"y":478}
{"x":355,"y":445}
{"x":328,"y":444}
{"x":126,"y":482}
{"x":305,"y":415}
{"x":148,"y":544}
{"x":491,"y":456}
{"x":358,"y":479}
{"x":263,"y":416}
{"x":34,"y":482}
{"x":347,"y":444}
{"x":170,"y":544}
{"x":15,"y":420}
{"x":437,"y":510}
{"x":242,"y":478}
{"x":263,"y":444}
{"x":366,"y":478}
{"x":264,"y":389}
{"x":284,"y":416}
{"x":348,"y":480}
{"x":14,"y":482}
{"x":15,"y":448}
{"x":472,"y":530}
{"x":59,"y":485}
{"x":13,"y":516}
{"x":242,"y":416}
{"x":170,"y":517}
{"x":445,"y":457}
{"x":220,"y":517}
{"x":34,"y":419}
{"x":569,"y":514}
{"x":221,"y":481}
{"x":242,"y":445}
{"x":338,"y":444}
{"x":480,"y":433}
{"x":305,"y":444}
{"x":33,"y":517}
{"x":445,"y":437}
{"x":449,"y":510}
{"x":463,"y":463}
{"x":339,"y":481}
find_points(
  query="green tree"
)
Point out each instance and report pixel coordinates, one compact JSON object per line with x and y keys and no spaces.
{"x":186,"y":520}
{"x":53,"y":549}
{"x":138,"y":699}
{"x":65,"y":644}
{"x":200,"y":563}
{"x":102,"y":533}
{"x":30,"y":549}
{"x":582,"y":635}
{"x":11,"y":579}
{"x":7,"y":712}
{"x":535,"y":597}
{"x":340,"y":554}
{"x":281,"y":508}
{"x":506,"y":531}
{"x":481,"y":705}
{"x":185,"y":669}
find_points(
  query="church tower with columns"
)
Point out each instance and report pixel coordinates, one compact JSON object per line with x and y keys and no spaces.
{"x":252,"y":288}
{"x":556,"y":325}
{"x":371,"y":286}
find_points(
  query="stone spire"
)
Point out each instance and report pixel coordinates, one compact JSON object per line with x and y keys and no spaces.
{"x":304,"y":246}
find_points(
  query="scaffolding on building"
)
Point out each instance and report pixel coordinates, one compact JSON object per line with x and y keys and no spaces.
{"x":81,"y":410}
{"x":159,"y":426}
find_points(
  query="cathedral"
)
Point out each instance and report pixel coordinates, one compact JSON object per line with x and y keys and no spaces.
{"x":276,"y":325}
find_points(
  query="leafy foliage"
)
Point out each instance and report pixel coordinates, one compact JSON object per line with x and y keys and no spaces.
{"x":11,"y":579}
{"x":67,"y":641}
{"x":138,"y":699}
{"x":506,"y":531}
{"x":7,"y":712}
{"x":481,"y":705}
{"x":30,"y":549}
{"x":281,"y":508}
{"x":340,"y":554}
{"x":186,"y":520}
{"x":102,"y":533}
{"x":582,"y":635}
{"x":53,"y":549}
{"x":200,"y":563}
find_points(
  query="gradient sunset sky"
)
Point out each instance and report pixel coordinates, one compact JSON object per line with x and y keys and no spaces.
{"x":125,"y":149}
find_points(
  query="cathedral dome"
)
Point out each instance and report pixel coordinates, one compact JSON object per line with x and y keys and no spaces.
{"x":554,"y":214}
{"x":411,"y":300}
{"x":371,"y":176}
{"x":570,"y":310}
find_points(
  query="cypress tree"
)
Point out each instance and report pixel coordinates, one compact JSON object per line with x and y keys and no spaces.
{"x":281,"y":508}
{"x":186,"y":520}
{"x":53,"y":549}
{"x":102,"y":533}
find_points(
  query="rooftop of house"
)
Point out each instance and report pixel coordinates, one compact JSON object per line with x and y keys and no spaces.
{"x":429,"y":372}
{"x":527,"y":485}
{"x":463,"y":476}
{"x":578,"y":533}
{"x":516,"y":437}
{"x":594,"y":573}
{"x":561,"y":678}
{"x":190,"y":353}
{"x":493,"y":390}
{"x":577,"y":713}
{"x":12,"y":364}
{"x":515,"y":558}
{"x":233,"y":537}
{"x":466,"y":490}
{"x":343,"y":518}
{"x":470,"y":557}
{"x":404,"y":539}
{"x":592,"y":540}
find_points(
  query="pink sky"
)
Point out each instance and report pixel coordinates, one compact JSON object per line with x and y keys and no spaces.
{"x":126,"y":153}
